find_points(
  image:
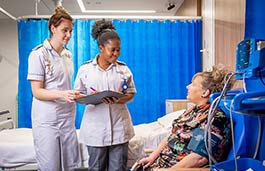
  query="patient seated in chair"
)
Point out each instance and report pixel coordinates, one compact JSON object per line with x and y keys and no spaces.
{"x":182,"y":149}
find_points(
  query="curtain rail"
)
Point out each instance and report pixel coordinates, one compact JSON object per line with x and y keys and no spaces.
{"x":7,"y":13}
{"x":116,"y":17}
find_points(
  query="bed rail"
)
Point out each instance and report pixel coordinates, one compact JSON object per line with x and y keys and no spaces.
{"x":4,"y":112}
{"x":8,"y":123}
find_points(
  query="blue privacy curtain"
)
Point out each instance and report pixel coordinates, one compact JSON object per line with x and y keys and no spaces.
{"x":254,"y":27}
{"x":162,"y":55}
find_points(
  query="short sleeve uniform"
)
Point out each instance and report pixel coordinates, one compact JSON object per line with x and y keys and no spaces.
{"x":105,"y":124}
{"x":56,"y":74}
{"x":53,"y":121}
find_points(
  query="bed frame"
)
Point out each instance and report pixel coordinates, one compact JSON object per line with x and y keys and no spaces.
{"x":20,"y":141}
{"x":7,"y":123}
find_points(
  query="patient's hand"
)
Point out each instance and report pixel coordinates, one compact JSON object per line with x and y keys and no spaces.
{"x":147,"y":161}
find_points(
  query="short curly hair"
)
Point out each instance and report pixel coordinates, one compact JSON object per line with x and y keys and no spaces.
{"x":214,"y":80}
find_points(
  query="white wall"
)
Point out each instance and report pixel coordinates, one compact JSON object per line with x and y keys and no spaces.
{"x":208,"y":39}
{"x":8,"y":66}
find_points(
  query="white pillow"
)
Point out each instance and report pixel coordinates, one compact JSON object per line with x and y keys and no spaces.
{"x":166,"y":121}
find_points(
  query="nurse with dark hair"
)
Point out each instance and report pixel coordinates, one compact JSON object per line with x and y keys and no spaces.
{"x":106,"y":128}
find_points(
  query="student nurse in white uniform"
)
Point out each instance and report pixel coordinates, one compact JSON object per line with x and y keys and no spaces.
{"x":53,"y":108}
{"x":106,"y":128}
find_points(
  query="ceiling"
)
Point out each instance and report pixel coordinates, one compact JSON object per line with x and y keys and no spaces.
{"x":19,"y":8}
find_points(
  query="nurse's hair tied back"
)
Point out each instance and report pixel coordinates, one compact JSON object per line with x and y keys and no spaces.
{"x":103,"y":31}
{"x":57,"y":17}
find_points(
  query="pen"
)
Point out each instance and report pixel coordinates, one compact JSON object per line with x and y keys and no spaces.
{"x":93,"y":89}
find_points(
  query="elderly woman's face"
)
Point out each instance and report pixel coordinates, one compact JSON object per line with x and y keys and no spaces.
{"x":195,"y":90}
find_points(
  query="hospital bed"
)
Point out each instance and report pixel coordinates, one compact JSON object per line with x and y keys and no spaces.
{"x":17,"y":150}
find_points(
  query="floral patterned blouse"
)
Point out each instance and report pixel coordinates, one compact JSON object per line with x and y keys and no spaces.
{"x":182,"y":132}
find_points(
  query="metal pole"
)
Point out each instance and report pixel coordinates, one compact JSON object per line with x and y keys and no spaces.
{"x":7,"y":14}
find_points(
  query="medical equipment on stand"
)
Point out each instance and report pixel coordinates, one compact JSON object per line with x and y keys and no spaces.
{"x":250,"y":66}
{"x":246,"y":109}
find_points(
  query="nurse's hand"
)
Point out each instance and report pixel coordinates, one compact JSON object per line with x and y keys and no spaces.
{"x":71,"y":95}
{"x":110,"y":100}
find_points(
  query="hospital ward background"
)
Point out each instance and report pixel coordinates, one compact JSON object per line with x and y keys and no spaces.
{"x":163,"y":54}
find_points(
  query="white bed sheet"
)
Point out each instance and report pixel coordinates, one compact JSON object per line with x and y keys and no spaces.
{"x":17,"y":149}
{"x":16,"y":145}
{"x":150,"y":135}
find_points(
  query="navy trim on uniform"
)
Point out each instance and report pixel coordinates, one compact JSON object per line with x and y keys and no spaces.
{"x":121,"y":63}
{"x":87,"y":62}
{"x":37,"y":47}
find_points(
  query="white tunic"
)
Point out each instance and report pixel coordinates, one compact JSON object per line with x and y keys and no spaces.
{"x":53,"y":121}
{"x":105,"y":124}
